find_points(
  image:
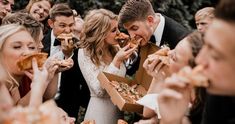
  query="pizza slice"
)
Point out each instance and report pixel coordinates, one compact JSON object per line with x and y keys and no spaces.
{"x":122,"y":39}
{"x":161,"y":54}
{"x":194,"y":76}
{"x":64,"y":36}
{"x":25,"y":63}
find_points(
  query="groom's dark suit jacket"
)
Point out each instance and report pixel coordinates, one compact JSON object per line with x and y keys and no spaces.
{"x":173,"y":32}
{"x":73,"y":89}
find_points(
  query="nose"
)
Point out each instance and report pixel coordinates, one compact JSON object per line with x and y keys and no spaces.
{"x":26,"y":52}
{"x":117,"y":32}
{"x":8,"y":7}
{"x":200,"y":27}
{"x":68,"y":29}
{"x":132,"y":34}
{"x":41,"y":10}
{"x":40,"y":45}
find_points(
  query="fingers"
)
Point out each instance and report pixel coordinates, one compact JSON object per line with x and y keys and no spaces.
{"x":51,"y":61}
{"x":129,"y":52}
{"x":175,"y":81}
{"x":146,"y":61}
{"x":28,"y":74}
{"x":155,"y":65}
{"x":139,"y":40}
{"x":133,"y":48}
{"x":34,"y":65}
{"x":159,"y":66}
{"x":126,"y":47}
{"x":169,"y":94}
{"x":52,"y":69}
{"x":64,"y":65}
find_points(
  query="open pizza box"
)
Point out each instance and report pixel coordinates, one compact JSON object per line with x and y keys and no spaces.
{"x":141,"y":78}
{"x":117,"y":99}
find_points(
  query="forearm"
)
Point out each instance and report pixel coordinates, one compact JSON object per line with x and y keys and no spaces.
{"x":25,"y":100}
{"x":116,"y":62}
{"x":155,"y":86}
{"x":36,"y":97}
{"x":52,"y":88}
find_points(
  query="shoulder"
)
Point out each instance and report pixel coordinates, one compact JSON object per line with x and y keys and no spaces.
{"x":47,"y":37}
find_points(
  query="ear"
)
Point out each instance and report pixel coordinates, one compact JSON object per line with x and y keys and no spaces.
{"x":151,"y":20}
{"x":50,"y":23}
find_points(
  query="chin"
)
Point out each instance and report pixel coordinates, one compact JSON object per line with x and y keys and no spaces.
{"x":221,"y":92}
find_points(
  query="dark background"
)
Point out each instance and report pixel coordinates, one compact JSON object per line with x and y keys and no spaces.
{"x":181,"y":10}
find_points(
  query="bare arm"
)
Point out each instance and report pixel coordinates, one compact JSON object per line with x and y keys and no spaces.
{"x":52,"y":88}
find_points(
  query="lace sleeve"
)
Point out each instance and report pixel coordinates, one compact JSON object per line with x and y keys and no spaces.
{"x":90,"y":72}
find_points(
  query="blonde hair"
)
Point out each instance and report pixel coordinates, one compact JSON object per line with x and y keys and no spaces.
{"x":205,"y":12}
{"x":29,"y":22}
{"x":5,"y":32}
{"x":96,"y":26}
{"x":31,"y":2}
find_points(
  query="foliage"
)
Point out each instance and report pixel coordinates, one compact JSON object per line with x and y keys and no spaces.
{"x":181,"y":10}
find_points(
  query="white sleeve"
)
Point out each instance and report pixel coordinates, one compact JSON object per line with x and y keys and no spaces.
{"x":114,"y":70}
{"x":90,"y":72}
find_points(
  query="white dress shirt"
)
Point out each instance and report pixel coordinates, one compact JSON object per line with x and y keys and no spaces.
{"x":159,"y":30}
{"x":56,"y":51}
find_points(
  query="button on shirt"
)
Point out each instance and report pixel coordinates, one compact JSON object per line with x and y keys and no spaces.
{"x":159,"y":30}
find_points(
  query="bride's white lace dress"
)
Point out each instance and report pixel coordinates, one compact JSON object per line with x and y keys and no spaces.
{"x":100,"y":107}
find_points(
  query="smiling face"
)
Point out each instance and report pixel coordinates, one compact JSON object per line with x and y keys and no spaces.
{"x":180,"y":56}
{"x":5,"y":7}
{"x":217,"y":57}
{"x":17,"y":45}
{"x":62,"y":24}
{"x":40,"y":10}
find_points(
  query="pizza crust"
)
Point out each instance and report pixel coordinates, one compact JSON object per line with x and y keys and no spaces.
{"x":193,"y":76}
{"x":161,"y":54}
{"x":25,"y":63}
